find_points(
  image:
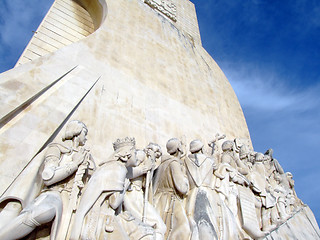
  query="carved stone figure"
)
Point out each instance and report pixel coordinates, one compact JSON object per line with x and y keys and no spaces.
{"x":271,"y":163}
{"x":201,"y":206}
{"x":136,"y":201}
{"x":167,"y":7}
{"x":154,"y":154}
{"x":246,"y":156}
{"x":281,"y":192}
{"x":63,"y":174}
{"x":225,"y":173}
{"x":294,"y":202}
{"x":234,"y":189}
{"x":264,"y":191}
{"x":103,"y":197}
{"x":170,"y":187}
{"x":229,"y":165}
{"x":136,"y":194}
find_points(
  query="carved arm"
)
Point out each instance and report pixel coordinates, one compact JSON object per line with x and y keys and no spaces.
{"x":54,"y":173}
{"x":116,"y":198}
{"x":180,"y":181}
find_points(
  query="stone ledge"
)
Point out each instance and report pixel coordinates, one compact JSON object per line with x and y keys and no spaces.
{"x":302,"y":225}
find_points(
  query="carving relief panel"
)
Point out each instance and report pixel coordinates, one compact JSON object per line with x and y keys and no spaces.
{"x":149,"y":194}
{"x":166,"y":7}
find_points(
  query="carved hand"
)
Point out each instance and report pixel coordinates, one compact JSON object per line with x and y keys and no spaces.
{"x":151,"y":153}
{"x":147,"y":166}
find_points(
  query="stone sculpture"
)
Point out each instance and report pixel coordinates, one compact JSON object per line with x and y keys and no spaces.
{"x":246,"y":156}
{"x":152,"y":79}
{"x":166,"y":7}
{"x":63,"y":174}
{"x":104,"y":195}
{"x":294,"y":201}
{"x":142,"y":194}
{"x":201,"y":202}
{"x":170,"y":187}
{"x":235,"y":192}
{"x":136,"y":200}
{"x":279,"y":187}
{"x":267,"y":201}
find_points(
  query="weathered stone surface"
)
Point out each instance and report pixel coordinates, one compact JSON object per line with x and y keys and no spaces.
{"x":302,"y":225}
{"x":181,"y":91}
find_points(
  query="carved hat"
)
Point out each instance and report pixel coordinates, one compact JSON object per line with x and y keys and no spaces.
{"x":196,"y":145}
{"x":243,"y":152}
{"x":227,"y":145}
{"x":269,"y":152}
{"x":259,"y":157}
{"x":172,"y":145}
{"x":154,"y":147}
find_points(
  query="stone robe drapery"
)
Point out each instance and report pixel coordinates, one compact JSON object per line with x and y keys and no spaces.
{"x":201,"y":205}
{"x":170,"y":186}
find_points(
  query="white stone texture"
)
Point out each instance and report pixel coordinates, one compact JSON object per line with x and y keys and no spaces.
{"x":27,"y":132}
{"x":156,"y":83}
{"x":302,"y":225}
{"x":66,"y":22}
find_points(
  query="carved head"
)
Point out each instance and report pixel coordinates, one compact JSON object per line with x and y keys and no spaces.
{"x":155,"y":148}
{"x":290,"y":179}
{"x":173,"y":146}
{"x":125,"y":151}
{"x":267,"y":159}
{"x":74,"y":129}
{"x":278,"y":178}
{"x":243,"y":152}
{"x":269,"y":153}
{"x":196,"y":146}
{"x":259,"y":157}
{"x":227,"y":146}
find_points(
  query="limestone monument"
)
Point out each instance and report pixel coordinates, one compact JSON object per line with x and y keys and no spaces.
{"x":168,"y":155}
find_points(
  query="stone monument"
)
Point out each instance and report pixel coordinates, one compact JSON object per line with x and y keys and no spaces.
{"x":133,"y":77}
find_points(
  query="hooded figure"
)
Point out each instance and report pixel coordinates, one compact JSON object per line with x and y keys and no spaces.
{"x":201,"y":204}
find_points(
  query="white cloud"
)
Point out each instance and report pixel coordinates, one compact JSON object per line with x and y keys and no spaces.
{"x":284,"y":117}
{"x":267,"y":91}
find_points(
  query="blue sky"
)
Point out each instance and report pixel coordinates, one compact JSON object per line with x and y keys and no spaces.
{"x":269,"y":51}
{"x":18,"y":19}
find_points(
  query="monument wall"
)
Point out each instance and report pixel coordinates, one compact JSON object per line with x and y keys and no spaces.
{"x":139,"y":74}
{"x":66,"y":22}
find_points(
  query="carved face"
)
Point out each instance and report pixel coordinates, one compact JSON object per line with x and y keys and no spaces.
{"x":131,"y":159}
{"x":83,"y":137}
{"x":127,"y":155}
{"x":158,"y":153}
{"x":180,"y":148}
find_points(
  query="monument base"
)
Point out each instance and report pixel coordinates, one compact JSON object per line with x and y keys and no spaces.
{"x":301,"y":225}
